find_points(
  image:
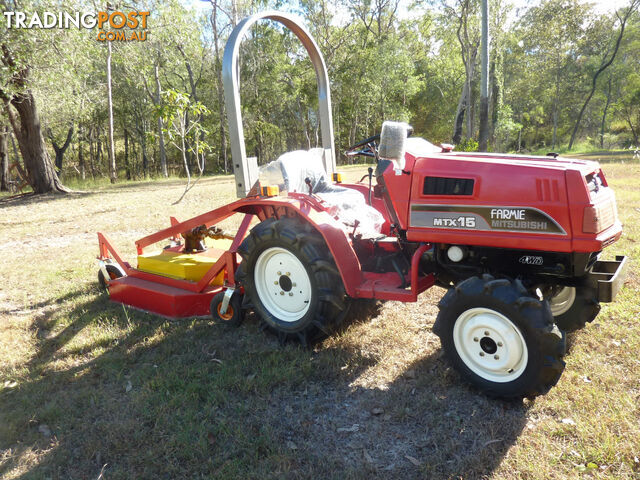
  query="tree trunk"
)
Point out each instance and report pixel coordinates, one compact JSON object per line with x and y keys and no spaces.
{"x":60,"y":150}
{"x":604,"y":114}
{"x":98,"y":152}
{"x":145,"y":160}
{"x":113,"y":172}
{"x":194,"y":96}
{"x":126,"y":155}
{"x":92,"y":158}
{"x":80,"y":153}
{"x":4,"y":159}
{"x":163,"y":153}
{"x":555,"y":126}
{"x":458,"y":121}
{"x":633,"y":130}
{"x":219,"y":87}
{"x":471,"y":71}
{"x":26,"y":127}
{"x":483,"y":135}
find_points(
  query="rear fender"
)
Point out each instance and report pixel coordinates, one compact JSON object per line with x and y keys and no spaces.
{"x":311,"y":211}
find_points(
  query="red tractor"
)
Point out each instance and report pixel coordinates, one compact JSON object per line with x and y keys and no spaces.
{"x":514,"y":239}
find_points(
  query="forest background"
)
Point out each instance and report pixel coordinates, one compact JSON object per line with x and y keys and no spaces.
{"x":563,"y":75}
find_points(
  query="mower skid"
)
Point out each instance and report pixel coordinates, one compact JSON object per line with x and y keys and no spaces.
{"x":608,"y":276}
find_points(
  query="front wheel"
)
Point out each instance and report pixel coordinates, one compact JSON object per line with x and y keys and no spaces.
{"x":500,"y":338}
{"x":573,"y":307}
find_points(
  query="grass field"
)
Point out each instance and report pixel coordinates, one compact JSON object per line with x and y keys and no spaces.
{"x":90,"y":389}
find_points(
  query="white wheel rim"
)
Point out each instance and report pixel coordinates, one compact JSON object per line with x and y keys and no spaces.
{"x":490,"y":345}
{"x":561,"y":302}
{"x":283,"y":284}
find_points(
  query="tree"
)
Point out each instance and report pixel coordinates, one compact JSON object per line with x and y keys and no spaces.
{"x":605,"y":63}
{"x":113,"y":172}
{"x":483,"y":136}
{"x":186,"y":136}
{"x":464,"y":12}
{"x":20,"y":107}
{"x":60,"y":149}
{"x":4,"y":159}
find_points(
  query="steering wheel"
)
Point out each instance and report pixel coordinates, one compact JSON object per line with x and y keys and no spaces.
{"x":367,"y":147}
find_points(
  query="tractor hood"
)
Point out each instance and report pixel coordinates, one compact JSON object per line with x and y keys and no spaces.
{"x":559,"y":163}
{"x":419,"y":147}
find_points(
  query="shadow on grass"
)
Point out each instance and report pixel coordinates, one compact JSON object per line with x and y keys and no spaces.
{"x":151,"y":398}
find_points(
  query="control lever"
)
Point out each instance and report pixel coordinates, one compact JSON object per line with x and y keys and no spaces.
{"x":370,"y":180}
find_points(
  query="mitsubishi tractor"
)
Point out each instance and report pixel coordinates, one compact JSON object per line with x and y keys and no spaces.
{"x":515,"y":242}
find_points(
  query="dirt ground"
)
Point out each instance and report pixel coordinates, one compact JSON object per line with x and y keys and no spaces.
{"x":92,"y":389}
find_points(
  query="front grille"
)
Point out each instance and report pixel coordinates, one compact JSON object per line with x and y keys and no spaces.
{"x":447,"y":186}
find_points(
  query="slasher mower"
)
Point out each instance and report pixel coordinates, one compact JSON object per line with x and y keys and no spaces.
{"x":514,"y":239}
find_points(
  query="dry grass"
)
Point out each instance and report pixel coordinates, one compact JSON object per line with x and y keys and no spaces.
{"x":89,"y":386}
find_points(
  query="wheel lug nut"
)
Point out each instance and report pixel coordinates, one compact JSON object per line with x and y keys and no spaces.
{"x":475,"y":339}
{"x":497,"y":357}
{"x":499,"y":344}
{"x":293,"y":284}
{"x":276,"y":282}
{"x":279,"y":273}
{"x":482,"y":354}
{"x":288,"y":274}
{"x":291,"y":294}
{"x":486,"y":334}
{"x":281,"y":292}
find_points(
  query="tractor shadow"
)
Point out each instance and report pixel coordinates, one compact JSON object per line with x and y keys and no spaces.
{"x":155,"y":398}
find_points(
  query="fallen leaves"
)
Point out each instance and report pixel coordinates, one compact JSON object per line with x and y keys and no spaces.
{"x":413,"y":460}
{"x":353,"y":428}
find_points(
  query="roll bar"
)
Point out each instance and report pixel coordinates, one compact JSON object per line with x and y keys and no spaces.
{"x":246,"y":170}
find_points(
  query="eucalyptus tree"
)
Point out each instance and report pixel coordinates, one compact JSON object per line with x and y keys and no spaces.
{"x":22,"y":52}
{"x":465,"y":15}
{"x":545,"y":65}
{"x":606,"y":58}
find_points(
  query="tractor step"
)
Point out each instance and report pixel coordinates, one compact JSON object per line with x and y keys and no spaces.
{"x":160,"y":299}
{"x":386,"y":286}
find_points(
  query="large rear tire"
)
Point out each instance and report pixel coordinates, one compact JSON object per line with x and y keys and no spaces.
{"x":291,"y":280}
{"x":500,"y":338}
{"x":574,"y":307}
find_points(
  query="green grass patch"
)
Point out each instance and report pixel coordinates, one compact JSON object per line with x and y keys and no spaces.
{"x":87,"y":385}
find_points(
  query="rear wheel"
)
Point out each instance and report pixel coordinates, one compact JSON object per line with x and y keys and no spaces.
{"x":500,"y":338}
{"x":291,"y":280}
{"x":574,"y":307}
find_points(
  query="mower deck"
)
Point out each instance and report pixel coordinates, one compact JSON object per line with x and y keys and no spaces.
{"x":160,"y":299}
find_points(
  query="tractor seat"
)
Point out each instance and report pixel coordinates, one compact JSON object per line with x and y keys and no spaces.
{"x":291,"y":169}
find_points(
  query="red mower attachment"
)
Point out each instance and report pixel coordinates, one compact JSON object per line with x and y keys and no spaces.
{"x":177,"y":281}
